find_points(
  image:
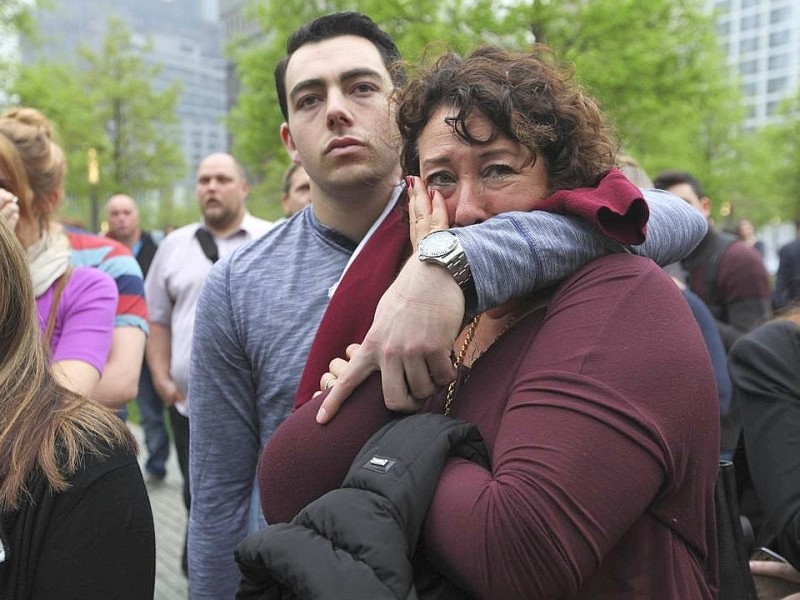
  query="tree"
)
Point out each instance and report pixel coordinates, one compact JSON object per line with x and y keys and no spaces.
{"x":768,"y":163}
{"x":139,"y":151}
{"x":16,"y":19}
{"x":656,"y":68}
{"x":53,"y":89}
{"x":105,"y":100}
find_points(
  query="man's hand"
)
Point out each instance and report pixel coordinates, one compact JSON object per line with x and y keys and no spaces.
{"x":415,"y":325}
{"x":168,"y":392}
{"x":410,"y":341}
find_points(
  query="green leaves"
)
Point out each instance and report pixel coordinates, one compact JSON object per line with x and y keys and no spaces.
{"x":105,"y":100}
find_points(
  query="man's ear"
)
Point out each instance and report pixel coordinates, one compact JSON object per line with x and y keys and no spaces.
{"x":705,"y":204}
{"x":288,"y":142}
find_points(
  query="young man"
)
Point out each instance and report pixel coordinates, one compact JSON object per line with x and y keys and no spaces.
{"x":260,"y":309}
{"x":176,"y":276}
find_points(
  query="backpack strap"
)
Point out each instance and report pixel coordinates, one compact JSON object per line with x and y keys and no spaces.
{"x":208,"y":244}
{"x":61,"y":284}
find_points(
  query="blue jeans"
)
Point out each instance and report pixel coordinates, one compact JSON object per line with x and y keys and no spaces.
{"x":151,"y":415}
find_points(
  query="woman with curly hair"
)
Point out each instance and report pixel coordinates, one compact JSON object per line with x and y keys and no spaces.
{"x":595,"y":400}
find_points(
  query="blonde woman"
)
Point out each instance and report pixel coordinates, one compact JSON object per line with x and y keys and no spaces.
{"x":75,"y":306}
{"x":75,"y":521}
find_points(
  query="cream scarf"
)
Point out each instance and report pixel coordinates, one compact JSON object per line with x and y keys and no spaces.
{"x":48,"y":258}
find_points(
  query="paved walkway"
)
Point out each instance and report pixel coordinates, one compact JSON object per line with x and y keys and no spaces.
{"x":169,"y":515}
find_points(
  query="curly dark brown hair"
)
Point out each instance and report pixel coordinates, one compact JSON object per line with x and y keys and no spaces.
{"x":527,"y":97}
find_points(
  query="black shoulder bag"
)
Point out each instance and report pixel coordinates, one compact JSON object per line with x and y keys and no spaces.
{"x":208,"y":244}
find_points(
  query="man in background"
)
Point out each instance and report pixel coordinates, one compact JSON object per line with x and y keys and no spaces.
{"x":124,"y":226}
{"x":296,"y":190}
{"x":174,"y":280}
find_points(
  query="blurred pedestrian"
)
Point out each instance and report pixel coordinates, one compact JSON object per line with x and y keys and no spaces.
{"x":35,"y":140}
{"x":746,"y":232}
{"x":296,"y":190}
{"x":124,"y":225}
{"x":729,"y":276}
{"x":75,"y":306}
{"x":173,"y":283}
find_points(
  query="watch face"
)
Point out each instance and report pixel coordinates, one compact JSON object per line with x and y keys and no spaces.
{"x":437,"y":244}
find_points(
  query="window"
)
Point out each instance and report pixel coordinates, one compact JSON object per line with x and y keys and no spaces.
{"x":779,"y":38}
{"x":780,"y":15}
{"x":777,"y":85}
{"x":750,"y":22}
{"x":748,"y":67}
{"x":779,"y":61}
{"x":749,"y":89}
{"x":748,"y":44}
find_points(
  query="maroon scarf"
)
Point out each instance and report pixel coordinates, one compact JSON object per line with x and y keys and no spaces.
{"x":615,"y":207}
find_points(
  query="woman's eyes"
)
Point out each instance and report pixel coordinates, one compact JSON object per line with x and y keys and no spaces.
{"x":498,"y":171}
{"x":492,"y":172}
{"x":440,"y":179}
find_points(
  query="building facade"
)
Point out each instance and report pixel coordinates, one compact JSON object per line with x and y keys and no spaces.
{"x":761,"y":39}
{"x":184,"y":38}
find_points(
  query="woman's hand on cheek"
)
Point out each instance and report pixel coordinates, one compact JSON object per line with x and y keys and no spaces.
{"x":427,"y":211}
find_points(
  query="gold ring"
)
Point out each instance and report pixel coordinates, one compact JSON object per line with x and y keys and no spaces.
{"x":329,"y":383}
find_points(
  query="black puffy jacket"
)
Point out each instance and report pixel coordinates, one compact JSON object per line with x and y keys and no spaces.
{"x":359,"y":541}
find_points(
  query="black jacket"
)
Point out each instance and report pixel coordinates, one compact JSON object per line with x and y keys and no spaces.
{"x":359,"y":541}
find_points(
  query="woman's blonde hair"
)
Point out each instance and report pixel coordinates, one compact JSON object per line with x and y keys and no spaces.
{"x":44,"y":428}
{"x":45,"y":165}
{"x":16,"y":179}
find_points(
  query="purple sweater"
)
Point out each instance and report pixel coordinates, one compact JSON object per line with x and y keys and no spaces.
{"x":601,"y":418}
{"x":84,"y":317}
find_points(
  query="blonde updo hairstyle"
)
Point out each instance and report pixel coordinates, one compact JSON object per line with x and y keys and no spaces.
{"x":45,"y":165}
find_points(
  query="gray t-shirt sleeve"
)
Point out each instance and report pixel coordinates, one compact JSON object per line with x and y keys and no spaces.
{"x":223,"y":421}
{"x":516,"y":253}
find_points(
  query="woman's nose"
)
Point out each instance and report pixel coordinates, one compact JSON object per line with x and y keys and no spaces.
{"x":469,"y":204}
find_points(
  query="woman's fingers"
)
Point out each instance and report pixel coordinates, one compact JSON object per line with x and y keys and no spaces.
{"x":9,"y":208}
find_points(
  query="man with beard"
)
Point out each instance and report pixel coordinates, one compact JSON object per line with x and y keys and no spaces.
{"x":176,"y":276}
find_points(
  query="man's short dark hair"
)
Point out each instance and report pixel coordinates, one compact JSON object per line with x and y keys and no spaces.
{"x":668,"y":179}
{"x":332,"y":26}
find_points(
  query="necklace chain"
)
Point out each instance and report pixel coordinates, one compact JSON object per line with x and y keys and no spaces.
{"x":462,"y":352}
{"x":469,"y":337}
